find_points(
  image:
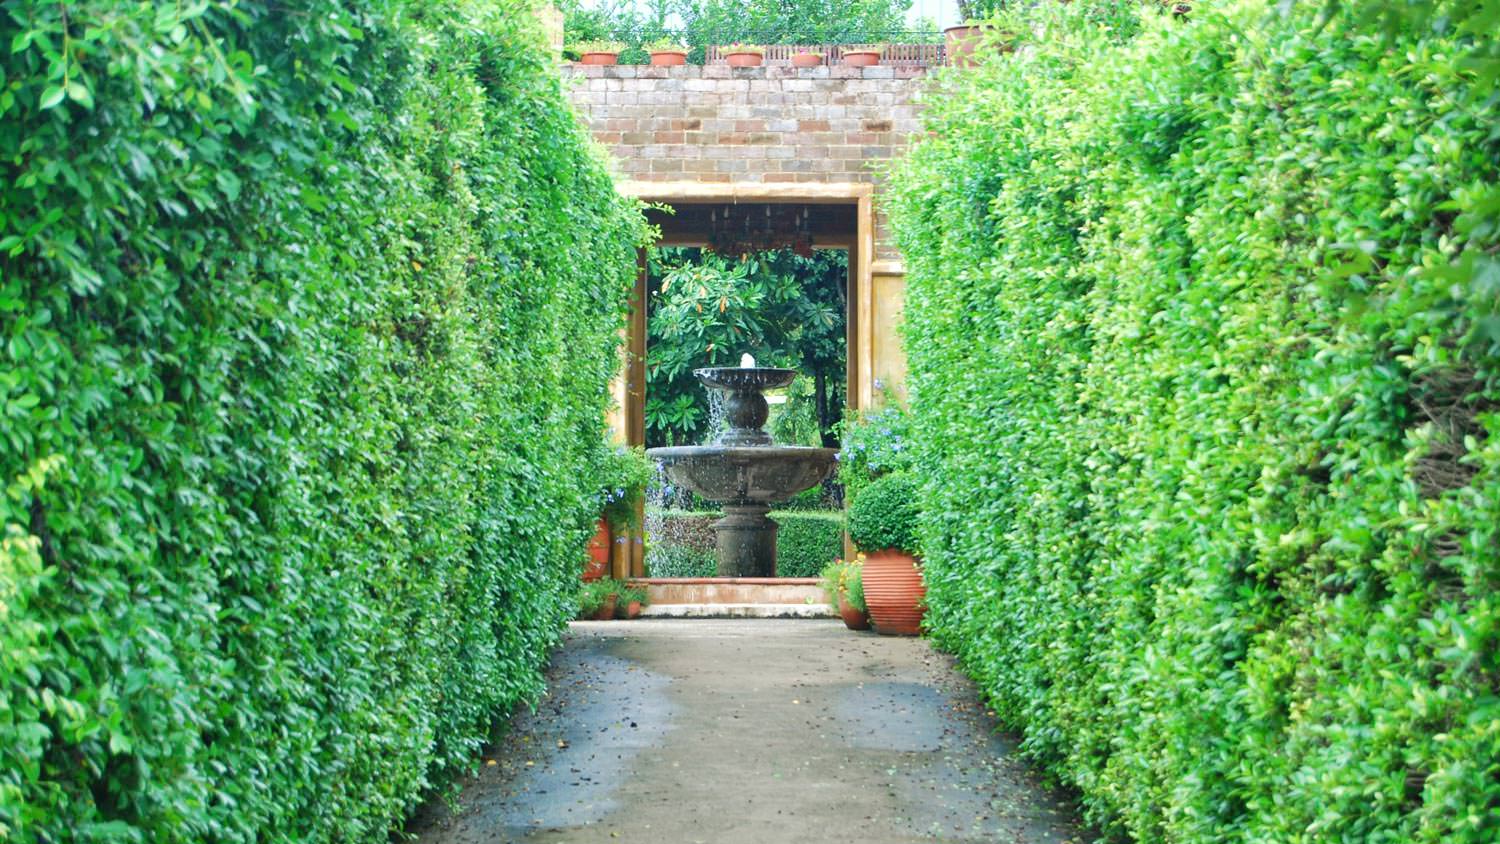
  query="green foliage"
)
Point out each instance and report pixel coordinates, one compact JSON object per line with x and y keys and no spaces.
{"x":594,"y":594}
{"x":306,"y":319}
{"x":666,"y":45}
{"x":841,"y":577}
{"x":601,"y":46}
{"x":884,"y":514}
{"x":705,"y":23}
{"x":794,"y":21}
{"x":807,"y":540}
{"x":629,"y":594}
{"x":1204,"y":336}
{"x":624,"y":474}
{"x":876,"y":443}
{"x":670,"y":559}
{"x":707,"y":311}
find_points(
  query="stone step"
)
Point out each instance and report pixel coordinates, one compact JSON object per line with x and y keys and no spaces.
{"x":732,"y":590}
{"x":818,"y":610}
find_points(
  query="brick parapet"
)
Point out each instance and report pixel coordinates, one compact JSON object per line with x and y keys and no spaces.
{"x":772,"y":124}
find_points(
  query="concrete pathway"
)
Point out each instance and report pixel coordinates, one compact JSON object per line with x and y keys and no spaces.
{"x":763,"y":731}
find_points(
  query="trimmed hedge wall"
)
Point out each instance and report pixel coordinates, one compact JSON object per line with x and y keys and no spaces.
{"x":807,"y":541}
{"x":307,"y":318}
{"x":1204,"y":335}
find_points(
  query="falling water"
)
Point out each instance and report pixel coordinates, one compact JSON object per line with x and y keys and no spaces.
{"x":678,"y":547}
{"x":718,"y":424}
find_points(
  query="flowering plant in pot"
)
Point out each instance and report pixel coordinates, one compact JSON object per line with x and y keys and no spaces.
{"x":744,"y":55}
{"x":864,"y":56}
{"x":630,"y":600}
{"x":598,"y":52}
{"x":807,"y":58}
{"x":841,"y":582}
{"x":883,"y":524}
{"x":598,"y":599}
{"x":668,"y":53}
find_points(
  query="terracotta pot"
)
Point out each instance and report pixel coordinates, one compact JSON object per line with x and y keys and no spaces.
{"x":806,"y":60}
{"x":853,"y":618}
{"x":861,"y":58}
{"x":633,"y":609}
{"x":607,"y":611}
{"x":668,"y":58}
{"x":598,"y":564}
{"x":894,"y":592}
{"x":600,"y":58}
{"x":963,"y":42}
{"x":744,"y":59}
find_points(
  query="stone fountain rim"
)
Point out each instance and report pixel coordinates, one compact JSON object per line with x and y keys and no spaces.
{"x":679,"y":452}
{"x":777,"y":377}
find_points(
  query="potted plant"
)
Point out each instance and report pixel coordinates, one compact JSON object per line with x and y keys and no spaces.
{"x":630,"y":601}
{"x":883,"y":524}
{"x":667,"y":53}
{"x":963,"y":41}
{"x":846,"y":594}
{"x":598,"y":52}
{"x":624,"y":474}
{"x":863,"y":56}
{"x":597,"y":600}
{"x":744,"y":55}
{"x":807,"y":58}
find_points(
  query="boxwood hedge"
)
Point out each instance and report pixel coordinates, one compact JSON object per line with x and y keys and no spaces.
{"x":807,"y":540}
{"x":683,"y":544}
{"x":306,"y":317}
{"x":1204,"y":331}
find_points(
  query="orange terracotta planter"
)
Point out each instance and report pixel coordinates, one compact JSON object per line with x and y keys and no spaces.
{"x":607,"y":611}
{"x":668,"y":58}
{"x":744,"y":59}
{"x":599,"y":58}
{"x":963,"y":42}
{"x":807,"y":60}
{"x":862,"y":58}
{"x":598,"y":563}
{"x":894,"y":592}
{"x":853,"y":618}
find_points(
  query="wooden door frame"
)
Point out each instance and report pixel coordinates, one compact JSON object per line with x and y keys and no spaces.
{"x":628,"y":557}
{"x":859,"y":355}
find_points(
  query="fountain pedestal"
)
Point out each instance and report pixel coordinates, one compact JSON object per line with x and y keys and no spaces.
{"x":746,"y":541}
{"x":745,"y":471}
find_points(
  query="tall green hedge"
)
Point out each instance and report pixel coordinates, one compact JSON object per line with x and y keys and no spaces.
{"x":306,"y":316}
{"x":1204,"y":334}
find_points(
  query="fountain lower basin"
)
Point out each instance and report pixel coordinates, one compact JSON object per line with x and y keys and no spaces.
{"x":747,"y":480}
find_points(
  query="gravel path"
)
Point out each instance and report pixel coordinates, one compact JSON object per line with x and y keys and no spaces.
{"x":721,"y":731}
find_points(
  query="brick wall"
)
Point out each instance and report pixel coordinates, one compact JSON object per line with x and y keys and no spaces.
{"x":773,"y":124}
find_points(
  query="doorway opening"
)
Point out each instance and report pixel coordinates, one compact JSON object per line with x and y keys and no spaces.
{"x":806,"y":250}
{"x":785,"y":308}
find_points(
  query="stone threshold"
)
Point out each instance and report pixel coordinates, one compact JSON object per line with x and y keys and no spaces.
{"x":730,"y":592}
{"x":817,"y":610}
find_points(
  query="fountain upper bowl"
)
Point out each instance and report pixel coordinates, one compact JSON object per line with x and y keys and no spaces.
{"x":744,"y":379}
{"x":762,"y":474}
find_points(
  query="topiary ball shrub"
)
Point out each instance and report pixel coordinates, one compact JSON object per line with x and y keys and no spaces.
{"x":885,"y":514}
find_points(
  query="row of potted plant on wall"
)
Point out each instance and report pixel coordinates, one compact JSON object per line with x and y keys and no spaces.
{"x":670,"y":54}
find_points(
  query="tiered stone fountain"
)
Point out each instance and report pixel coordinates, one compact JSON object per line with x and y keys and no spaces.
{"x":744,"y":470}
